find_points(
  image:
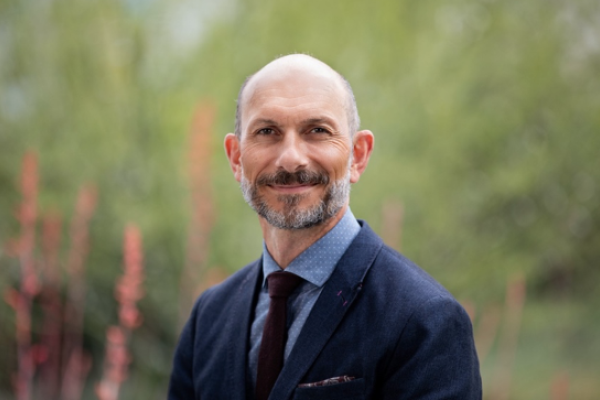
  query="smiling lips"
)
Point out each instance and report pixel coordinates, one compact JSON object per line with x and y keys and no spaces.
{"x":292,"y":189}
{"x":293,"y":182}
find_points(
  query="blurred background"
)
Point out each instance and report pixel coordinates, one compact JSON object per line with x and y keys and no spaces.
{"x":117,"y":205}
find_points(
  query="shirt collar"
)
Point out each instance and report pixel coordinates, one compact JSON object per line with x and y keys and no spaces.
{"x":316,"y":263}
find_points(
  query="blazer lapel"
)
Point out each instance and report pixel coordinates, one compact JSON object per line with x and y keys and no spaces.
{"x":238,"y":330}
{"x":338,"y":294}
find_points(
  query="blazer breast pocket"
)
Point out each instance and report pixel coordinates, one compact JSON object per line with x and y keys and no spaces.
{"x":352,"y":390}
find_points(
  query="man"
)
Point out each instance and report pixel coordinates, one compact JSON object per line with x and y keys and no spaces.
{"x":362,"y":322}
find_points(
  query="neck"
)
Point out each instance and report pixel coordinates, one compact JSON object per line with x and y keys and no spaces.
{"x":285,"y":245}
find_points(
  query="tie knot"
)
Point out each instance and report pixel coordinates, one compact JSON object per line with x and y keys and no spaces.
{"x":282,"y":284}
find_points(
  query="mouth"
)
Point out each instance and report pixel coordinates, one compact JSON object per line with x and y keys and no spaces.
{"x":293,"y":179}
{"x":293,"y":188}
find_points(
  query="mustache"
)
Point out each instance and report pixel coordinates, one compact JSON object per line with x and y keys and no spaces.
{"x":302,"y":177}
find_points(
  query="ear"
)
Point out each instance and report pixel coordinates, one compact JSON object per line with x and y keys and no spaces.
{"x":232,"y":149}
{"x":362,"y":149}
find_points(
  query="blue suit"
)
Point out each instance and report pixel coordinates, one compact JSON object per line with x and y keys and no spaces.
{"x":380,"y":320}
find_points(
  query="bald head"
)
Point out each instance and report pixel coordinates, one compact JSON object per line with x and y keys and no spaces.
{"x":295,"y":67}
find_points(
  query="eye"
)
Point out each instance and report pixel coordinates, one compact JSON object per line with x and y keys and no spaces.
{"x":265,"y":131}
{"x":319,"y":130}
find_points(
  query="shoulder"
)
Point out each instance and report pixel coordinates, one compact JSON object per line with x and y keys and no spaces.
{"x":395,"y":283}
{"x":217,"y":297}
{"x":397,"y":272}
{"x":394,"y":272}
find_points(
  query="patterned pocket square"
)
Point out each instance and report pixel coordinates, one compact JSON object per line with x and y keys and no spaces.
{"x":328,"y":382}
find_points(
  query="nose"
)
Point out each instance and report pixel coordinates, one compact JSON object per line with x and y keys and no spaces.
{"x":292,"y":153}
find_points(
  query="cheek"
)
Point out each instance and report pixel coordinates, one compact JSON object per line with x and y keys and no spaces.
{"x":333,"y":157}
{"x":336,"y":163}
{"x":249,"y":164}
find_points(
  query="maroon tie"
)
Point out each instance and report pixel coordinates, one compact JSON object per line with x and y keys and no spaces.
{"x":270,"y":357}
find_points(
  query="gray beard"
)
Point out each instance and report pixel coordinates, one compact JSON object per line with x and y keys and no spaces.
{"x":291,"y":217}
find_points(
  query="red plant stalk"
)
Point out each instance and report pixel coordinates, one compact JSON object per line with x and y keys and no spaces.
{"x":486,"y":328}
{"x":470,"y":308}
{"x":75,"y":362}
{"x":486,"y":331}
{"x":21,"y":300}
{"x":202,"y":217}
{"x":51,"y":306}
{"x":128,"y":291}
{"x":213,"y":276}
{"x":560,"y":386}
{"x":393,"y":216}
{"x":117,"y":359}
{"x":515,"y":302}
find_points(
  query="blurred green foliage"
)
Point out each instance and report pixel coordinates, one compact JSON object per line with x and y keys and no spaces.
{"x":486,"y":122}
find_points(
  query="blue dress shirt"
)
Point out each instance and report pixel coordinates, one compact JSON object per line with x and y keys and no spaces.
{"x":315,"y":265}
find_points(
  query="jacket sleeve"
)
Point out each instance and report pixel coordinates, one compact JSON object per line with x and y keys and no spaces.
{"x":181,"y":385}
{"x":435,"y":356}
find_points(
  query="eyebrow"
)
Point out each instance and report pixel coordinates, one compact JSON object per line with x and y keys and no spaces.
{"x":307,"y":121}
{"x":317,"y":121}
{"x":264,"y":121}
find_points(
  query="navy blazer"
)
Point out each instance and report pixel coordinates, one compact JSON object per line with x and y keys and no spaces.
{"x":380,"y":320}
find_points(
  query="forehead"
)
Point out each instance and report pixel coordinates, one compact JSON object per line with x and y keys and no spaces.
{"x":290,"y":94}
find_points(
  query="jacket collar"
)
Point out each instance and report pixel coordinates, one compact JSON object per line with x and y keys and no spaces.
{"x":337,"y":296}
